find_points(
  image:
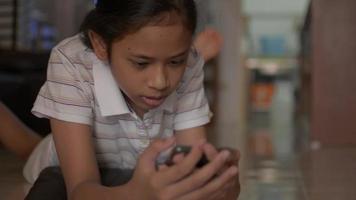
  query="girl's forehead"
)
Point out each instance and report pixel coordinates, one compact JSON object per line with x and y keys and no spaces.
{"x":164,"y":27}
{"x":155,"y":33}
{"x":167,"y":18}
{"x":156,"y":41}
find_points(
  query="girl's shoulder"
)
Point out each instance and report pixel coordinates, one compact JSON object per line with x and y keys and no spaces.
{"x":193,"y":73}
{"x":71,"y":45}
{"x":74,"y":50}
{"x":195,"y":60}
{"x":195,"y":64}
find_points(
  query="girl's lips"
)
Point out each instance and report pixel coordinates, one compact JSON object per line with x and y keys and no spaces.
{"x":153,"y":101}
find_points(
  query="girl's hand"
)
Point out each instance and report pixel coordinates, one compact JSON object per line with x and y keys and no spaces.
{"x":232,"y":189}
{"x":181,"y":181}
{"x":222,"y":184}
{"x":150,"y":183}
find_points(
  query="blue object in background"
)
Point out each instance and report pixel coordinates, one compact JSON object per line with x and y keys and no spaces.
{"x":273,"y":45}
{"x":48,"y":37}
{"x":42,"y":35}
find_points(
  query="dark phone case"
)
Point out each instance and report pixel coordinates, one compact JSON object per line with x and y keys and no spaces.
{"x":185,"y":150}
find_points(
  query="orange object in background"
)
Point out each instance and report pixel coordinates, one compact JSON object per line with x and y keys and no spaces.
{"x":260,"y":143}
{"x":261,"y":96}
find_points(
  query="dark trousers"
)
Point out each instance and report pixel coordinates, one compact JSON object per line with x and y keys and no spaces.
{"x":50,"y":183}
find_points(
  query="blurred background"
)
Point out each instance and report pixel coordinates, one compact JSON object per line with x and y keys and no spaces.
{"x":282,"y":89}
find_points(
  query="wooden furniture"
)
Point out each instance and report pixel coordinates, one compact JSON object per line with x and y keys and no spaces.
{"x":329,"y":71}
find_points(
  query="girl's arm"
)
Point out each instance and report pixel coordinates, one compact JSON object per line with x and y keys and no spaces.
{"x":76,"y":154}
{"x":191,"y":136}
{"x":15,"y":135}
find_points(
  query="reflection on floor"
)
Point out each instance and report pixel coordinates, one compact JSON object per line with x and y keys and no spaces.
{"x":12,"y":183}
{"x":273,"y":172}
{"x":278,"y":170}
{"x":330,"y":173}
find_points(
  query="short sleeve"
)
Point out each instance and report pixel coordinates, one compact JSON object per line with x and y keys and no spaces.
{"x":192,"y":108}
{"x":64,"y":95}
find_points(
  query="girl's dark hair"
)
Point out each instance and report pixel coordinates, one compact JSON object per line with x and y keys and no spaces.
{"x":113,"y":19}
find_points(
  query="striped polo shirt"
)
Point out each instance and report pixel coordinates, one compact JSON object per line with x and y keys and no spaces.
{"x":80,"y":88}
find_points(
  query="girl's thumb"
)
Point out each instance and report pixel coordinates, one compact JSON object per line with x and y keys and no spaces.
{"x":156,"y":147}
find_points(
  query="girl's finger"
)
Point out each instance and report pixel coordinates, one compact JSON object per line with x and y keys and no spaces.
{"x":178,"y":158}
{"x":213,"y":186}
{"x":182,"y":168}
{"x":210,"y":151}
{"x":224,"y":192}
{"x":200,"y":177}
{"x":235,"y":156}
{"x":149,"y":156}
{"x":162,"y":167}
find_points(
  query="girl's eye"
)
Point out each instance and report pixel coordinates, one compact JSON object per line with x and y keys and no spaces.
{"x":140,"y":64}
{"x":178,"y":62}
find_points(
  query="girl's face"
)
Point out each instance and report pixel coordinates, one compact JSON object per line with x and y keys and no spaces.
{"x":148,"y":64}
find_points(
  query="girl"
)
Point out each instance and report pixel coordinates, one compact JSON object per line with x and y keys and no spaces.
{"x":124,"y":90}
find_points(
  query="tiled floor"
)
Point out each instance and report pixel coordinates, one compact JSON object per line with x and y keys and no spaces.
{"x":273,"y":172}
{"x":272,"y":181}
{"x":330,"y":173}
{"x":324,"y":174}
{"x":277,"y":170}
{"x":12,"y":183}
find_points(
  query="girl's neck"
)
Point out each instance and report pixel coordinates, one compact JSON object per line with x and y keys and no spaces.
{"x":139,"y":112}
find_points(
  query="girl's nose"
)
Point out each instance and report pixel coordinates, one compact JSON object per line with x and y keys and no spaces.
{"x":158,"y":79}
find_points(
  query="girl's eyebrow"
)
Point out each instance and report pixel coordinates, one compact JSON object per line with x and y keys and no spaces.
{"x":142,"y":56}
{"x":181,"y":54}
{"x":152,"y":58}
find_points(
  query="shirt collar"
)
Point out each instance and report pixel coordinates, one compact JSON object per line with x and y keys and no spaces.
{"x":110,"y":98}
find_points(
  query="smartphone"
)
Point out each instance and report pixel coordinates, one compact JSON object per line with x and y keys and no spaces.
{"x":184,"y":149}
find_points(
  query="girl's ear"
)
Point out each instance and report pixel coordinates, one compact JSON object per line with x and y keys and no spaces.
{"x":99,"y":46}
